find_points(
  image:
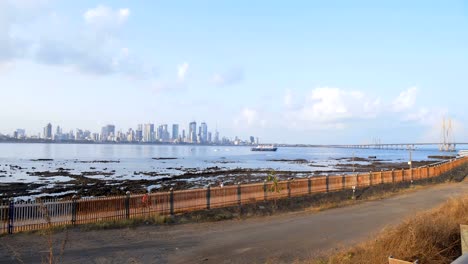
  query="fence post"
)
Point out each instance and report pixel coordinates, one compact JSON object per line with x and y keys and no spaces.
{"x":370,"y":178}
{"x":427,"y":172}
{"x":381,"y":176}
{"x":309,"y":184}
{"x":288,"y":184}
{"x":402,"y":175}
{"x":343,"y":181}
{"x":265,"y":190}
{"x":411,"y":177}
{"x":208,"y":196}
{"x":127,"y":204}
{"x":357,"y":179}
{"x":11,"y":215}
{"x":73,"y":220}
{"x":239,"y":197}
{"x":171,"y":201}
{"x":393,"y":176}
{"x":326,"y":183}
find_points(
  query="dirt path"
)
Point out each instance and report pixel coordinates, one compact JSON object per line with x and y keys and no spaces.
{"x":281,"y":238}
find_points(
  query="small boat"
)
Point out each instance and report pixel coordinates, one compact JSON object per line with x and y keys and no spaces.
{"x":264,"y":148}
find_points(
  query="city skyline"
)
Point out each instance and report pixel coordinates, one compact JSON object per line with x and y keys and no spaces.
{"x":143,"y":133}
{"x":303,"y":72}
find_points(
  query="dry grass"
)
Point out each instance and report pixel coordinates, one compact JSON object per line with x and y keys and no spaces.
{"x":430,"y":237}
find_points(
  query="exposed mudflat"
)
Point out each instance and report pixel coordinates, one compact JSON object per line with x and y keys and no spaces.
{"x":105,"y":177}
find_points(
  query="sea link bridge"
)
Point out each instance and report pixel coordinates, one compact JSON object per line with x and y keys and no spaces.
{"x":395,"y":146}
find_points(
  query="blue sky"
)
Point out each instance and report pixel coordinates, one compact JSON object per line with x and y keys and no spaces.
{"x":285,"y":71}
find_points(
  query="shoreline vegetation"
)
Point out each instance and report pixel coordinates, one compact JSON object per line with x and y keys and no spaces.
{"x":431,"y":237}
{"x":93,"y":182}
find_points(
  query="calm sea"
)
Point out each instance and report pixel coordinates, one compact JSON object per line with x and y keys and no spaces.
{"x":139,"y":158}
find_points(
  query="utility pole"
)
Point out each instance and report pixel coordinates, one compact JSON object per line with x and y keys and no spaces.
{"x":410,"y":163}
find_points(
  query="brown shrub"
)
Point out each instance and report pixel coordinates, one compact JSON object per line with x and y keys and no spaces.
{"x":431,"y":237}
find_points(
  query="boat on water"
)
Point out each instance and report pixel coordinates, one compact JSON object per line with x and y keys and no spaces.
{"x":264,"y":148}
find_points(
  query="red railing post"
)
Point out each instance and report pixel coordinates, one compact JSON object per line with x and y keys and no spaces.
{"x":127,"y":204}
{"x":208,"y":197}
{"x":171,"y":201}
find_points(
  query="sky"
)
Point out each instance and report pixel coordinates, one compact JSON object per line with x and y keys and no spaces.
{"x":318,"y":72}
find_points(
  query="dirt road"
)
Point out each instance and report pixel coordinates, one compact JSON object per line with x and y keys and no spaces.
{"x":281,"y":238}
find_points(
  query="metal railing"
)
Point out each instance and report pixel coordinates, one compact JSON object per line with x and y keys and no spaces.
{"x":19,"y":216}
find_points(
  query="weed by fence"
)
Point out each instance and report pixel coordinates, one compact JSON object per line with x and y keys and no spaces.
{"x":17,"y":216}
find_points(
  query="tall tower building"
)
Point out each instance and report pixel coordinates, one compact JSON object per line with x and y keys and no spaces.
{"x":204,"y":132}
{"x":209,"y":138}
{"x":107,"y":132}
{"x":139,"y":133}
{"x":47,"y":134}
{"x":148,"y":133}
{"x":216,"y":137}
{"x":193,"y":132}
{"x":175,"y":132}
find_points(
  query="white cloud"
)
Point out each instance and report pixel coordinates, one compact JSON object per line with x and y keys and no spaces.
{"x":405,"y":99}
{"x":103,"y":16}
{"x":94,"y":47}
{"x":332,"y":105}
{"x":249,"y":117}
{"x":288,"y":98}
{"x":182,"y":71}
{"x":172,"y":85}
{"x":230,"y":77}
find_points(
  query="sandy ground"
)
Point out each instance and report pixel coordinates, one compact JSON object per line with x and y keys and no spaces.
{"x":279,"y":239}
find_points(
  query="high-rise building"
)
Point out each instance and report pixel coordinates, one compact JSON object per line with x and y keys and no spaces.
{"x":47,"y":134}
{"x":162,"y":133}
{"x":193,"y":132}
{"x":209,"y":138}
{"x":204,"y":132}
{"x":107,"y":133}
{"x":139,"y":133}
{"x":79,"y":134}
{"x":252,"y":140}
{"x":175,"y":132}
{"x":87,"y":135}
{"x":184,"y":139}
{"x":130,"y":135}
{"x":20,"y":133}
{"x":216,"y":137}
{"x":148,"y":133}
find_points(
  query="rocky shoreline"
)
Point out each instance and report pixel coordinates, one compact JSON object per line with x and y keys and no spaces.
{"x":105,"y":181}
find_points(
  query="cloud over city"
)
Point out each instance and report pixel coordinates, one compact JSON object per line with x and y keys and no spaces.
{"x":92,"y":47}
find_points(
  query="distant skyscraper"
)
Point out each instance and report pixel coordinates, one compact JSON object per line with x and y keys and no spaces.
{"x":148,"y":133}
{"x":184,"y":139}
{"x":79,"y":134}
{"x":175,"y":132}
{"x":216,"y":137}
{"x":209,"y":138}
{"x":20,"y":133}
{"x":107,"y":132}
{"x":48,"y":131}
{"x":193,"y":132}
{"x":252,"y":140}
{"x":104,"y":133}
{"x":139,"y":133}
{"x":204,"y":132}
